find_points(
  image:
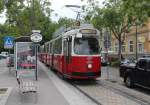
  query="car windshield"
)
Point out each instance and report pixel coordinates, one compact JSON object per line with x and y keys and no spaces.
{"x":86,"y":46}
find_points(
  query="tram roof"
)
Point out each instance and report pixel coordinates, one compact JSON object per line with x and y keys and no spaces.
{"x":83,"y":26}
{"x":71,"y":30}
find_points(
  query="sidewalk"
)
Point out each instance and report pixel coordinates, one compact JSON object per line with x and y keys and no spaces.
{"x":47,"y":93}
{"x":51,"y":90}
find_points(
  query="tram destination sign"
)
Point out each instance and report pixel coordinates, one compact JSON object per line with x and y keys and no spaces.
{"x":88,"y":31}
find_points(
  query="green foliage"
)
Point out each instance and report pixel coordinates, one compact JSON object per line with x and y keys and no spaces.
{"x":65,"y":22}
{"x":26,"y":15}
{"x":137,"y":9}
{"x":1,"y":5}
{"x":115,"y":63}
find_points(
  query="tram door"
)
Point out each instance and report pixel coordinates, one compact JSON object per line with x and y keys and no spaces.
{"x":67,"y":54}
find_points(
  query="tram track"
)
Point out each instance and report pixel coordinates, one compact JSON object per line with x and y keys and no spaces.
{"x":86,"y":94}
{"x":126,"y":94}
{"x":139,"y":100}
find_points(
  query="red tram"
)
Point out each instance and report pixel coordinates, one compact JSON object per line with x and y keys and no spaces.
{"x":74,"y":53}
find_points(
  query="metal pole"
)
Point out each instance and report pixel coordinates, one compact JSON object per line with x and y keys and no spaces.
{"x":9,"y":62}
{"x":78,"y":16}
{"x":107,"y":58}
{"x":107,"y":68}
{"x":36,"y":69}
{"x":136,"y":42}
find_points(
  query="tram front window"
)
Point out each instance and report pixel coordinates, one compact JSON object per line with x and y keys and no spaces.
{"x":86,"y":46}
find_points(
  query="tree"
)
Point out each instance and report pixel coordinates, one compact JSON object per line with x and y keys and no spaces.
{"x":65,"y":22}
{"x":27,"y":15}
{"x":118,"y":16}
{"x":112,"y":18}
{"x":137,"y":9}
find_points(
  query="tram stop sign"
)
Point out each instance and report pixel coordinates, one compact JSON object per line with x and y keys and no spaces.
{"x":36,"y":36}
{"x":8,"y":42}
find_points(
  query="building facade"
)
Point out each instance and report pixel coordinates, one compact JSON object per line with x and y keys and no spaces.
{"x":139,"y":38}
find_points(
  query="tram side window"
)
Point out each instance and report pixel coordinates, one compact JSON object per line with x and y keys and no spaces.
{"x":65,"y":48}
{"x":47,"y":47}
{"x":44,"y":50}
{"x":58,"y":46}
{"x":50,"y":48}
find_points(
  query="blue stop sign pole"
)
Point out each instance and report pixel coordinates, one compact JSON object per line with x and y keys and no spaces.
{"x":8,"y":44}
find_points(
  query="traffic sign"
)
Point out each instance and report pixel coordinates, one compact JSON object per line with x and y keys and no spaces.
{"x":8,"y":42}
{"x":106,"y":35}
{"x":107,"y":43}
{"x":36,"y":36}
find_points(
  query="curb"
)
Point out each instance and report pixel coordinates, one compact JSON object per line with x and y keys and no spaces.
{"x":4,"y":97}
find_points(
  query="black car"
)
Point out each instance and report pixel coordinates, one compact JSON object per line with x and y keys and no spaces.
{"x":136,"y":73}
{"x":10,"y":60}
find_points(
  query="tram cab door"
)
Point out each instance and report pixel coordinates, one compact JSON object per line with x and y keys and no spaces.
{"x":67,"y":46}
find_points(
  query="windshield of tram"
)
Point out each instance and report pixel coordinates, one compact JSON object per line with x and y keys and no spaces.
{"x":86,"y":46}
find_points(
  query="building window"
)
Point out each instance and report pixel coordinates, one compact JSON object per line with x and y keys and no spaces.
{"x":123,"y":47}
{"x":116,"y":46}
{"x":131,"y":46}
{"x":140,"y":47}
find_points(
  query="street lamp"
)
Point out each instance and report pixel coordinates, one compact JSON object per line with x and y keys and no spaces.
{"x":136,"y":39}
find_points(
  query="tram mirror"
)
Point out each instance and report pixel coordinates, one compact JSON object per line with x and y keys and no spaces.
{"x":79,"y":35}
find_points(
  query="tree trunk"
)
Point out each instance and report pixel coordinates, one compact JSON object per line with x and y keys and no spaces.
{"x":120,"y":48}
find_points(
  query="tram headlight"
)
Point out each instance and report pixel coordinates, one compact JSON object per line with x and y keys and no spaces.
{"x":89,"y":66}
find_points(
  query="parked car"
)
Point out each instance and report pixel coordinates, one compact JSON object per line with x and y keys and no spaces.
{"x":4,"y":54}
{"x":10,"y":60}
{"x":136,"y":73}
{"x":2,"y":57}
{"x":144,"y":56}
{"x":125,"y":61}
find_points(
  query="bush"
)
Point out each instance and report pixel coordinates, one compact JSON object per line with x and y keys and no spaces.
{"x":115,"y":62}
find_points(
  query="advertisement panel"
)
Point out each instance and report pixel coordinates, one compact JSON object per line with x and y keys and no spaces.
{"x":25,"y":56}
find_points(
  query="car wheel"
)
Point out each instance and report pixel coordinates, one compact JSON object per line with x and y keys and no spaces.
{"x":129,"y":81}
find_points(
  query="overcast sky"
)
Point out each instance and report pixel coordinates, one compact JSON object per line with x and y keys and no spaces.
{"x":62,"y":11}
{"x":59,"y":7}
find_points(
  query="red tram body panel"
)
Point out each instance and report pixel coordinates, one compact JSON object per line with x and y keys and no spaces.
{"x":75,"y":54}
